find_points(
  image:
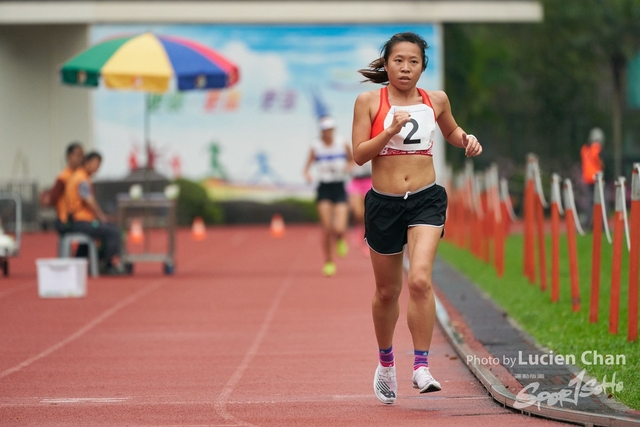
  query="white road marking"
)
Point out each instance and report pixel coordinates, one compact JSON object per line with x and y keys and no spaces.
{"x":84,"y":400}
{"x":221,"y":401}
{"x":86,"y":328}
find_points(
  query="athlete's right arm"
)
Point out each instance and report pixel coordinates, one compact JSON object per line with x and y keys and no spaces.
{"x":366,"y":148}
{"x":307,"y":167}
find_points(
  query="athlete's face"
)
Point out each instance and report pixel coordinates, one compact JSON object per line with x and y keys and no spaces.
{"x":327,"y":136}
{"x":404,"y":65}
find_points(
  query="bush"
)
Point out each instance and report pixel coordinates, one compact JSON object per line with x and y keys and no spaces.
{"x":307,"y":207}
{"x":193,"y":202}
{"x":252,"y":212}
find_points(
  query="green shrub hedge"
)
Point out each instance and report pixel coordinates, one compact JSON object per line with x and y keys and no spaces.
{"x":193,"y":202}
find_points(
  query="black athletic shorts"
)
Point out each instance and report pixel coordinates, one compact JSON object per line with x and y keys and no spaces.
{"x":388,"y":217}
{"x":333,"y":191}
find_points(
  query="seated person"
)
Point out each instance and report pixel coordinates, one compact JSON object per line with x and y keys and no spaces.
{"x":55,"y":196}
{"x":85,"y":216}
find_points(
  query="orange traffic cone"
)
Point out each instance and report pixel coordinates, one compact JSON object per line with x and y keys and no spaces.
{"x":135,"y":231}
{"x":198,"y":230}
{"x":277,"y":225}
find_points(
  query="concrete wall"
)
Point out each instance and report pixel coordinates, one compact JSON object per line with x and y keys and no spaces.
{"x":39,"y":116}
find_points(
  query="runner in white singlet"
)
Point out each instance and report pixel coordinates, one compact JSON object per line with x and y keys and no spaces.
{"x":330,"y":156}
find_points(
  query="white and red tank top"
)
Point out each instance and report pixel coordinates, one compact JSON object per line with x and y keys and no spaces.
{"x":416,"y":136}
{"x":331,"y":160}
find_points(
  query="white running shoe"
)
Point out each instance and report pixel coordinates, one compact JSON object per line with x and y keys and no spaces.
{"x":385,"y":385}
{"x":423,"y":380}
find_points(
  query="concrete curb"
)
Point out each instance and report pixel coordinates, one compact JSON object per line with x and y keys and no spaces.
{"x":502,"y":395}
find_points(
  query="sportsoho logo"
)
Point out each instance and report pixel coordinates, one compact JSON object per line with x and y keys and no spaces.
{"x":576,"y":388}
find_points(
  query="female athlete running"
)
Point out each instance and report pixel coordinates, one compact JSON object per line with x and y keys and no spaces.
{"x":394,"y":127}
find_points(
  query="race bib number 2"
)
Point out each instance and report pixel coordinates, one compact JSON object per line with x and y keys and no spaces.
{"x":417,"y":133}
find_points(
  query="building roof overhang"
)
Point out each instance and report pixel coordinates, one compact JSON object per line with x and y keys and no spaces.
{"x":270,"y":12}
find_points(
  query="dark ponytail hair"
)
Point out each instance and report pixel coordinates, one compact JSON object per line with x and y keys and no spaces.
{"x":376,"y":72}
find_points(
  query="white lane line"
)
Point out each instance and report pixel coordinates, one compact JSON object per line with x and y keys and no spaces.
{"x":150,"y":401}
{"x":130,"y":300}
{"x":221,"y":401}
{"x":84,"y":400}
{"x":86,"y":328}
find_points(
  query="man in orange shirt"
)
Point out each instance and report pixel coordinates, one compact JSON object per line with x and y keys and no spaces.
{"x":55,"y":196}
{"x":85,"y":216}
{"x":591,"y":165}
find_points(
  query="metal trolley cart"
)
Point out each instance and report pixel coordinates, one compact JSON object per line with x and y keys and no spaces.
{"x":8,"y":245}
{"x":155,"y":211}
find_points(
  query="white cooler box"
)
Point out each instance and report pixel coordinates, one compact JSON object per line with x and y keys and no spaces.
{"x":62,"y":277}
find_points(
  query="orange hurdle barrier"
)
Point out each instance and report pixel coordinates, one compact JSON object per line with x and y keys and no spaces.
{"x":618,"y":227}
{"x":490,"y":216}
{"x":498,"y":228}
{"x":540,"y":204}
{"x":478,"y":215}
{"x":529,"y":222}
{"x":487,"y":224}
{"x":634,"y":254}
{"x":495,"y":205}
{"x":572,"y":225}
{"x":450,"y":225}
{"x":458,"y":233}
{"x":461,"y":199}
{"x":473,"y":217}
{"x":469,"y":216}
{"x":508,"y":215}
{"x":556,"y":211}
{"x":599,"y":214}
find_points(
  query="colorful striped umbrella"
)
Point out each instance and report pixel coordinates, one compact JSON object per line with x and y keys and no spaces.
{"x":148,"y":62}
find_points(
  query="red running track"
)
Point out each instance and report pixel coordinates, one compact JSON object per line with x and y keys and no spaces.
{"x":246,"y":333}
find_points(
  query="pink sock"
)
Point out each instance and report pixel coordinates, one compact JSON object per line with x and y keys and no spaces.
{"x":420,"y":359}
{"x":386,"y":357}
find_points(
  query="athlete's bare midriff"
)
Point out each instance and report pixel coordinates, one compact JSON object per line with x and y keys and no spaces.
{"x":399,"y":174}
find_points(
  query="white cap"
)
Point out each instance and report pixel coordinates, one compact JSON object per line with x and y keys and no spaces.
{"x":327,"y":122}
{"x":596,"y":135}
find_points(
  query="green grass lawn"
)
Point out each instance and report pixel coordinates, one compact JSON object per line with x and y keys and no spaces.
{"x":554,"y":325}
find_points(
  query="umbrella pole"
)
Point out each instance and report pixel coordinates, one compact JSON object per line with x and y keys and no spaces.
{"x":147,"y":144}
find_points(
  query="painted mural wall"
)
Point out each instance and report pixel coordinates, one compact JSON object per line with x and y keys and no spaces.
{"x":259,"y":131}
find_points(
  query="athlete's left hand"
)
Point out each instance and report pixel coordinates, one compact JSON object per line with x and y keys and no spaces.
{"x":471,"y":145}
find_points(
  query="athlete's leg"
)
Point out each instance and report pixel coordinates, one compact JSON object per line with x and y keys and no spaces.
{"x":422,"y":243}
{"x":387,"y":270}
{"x":340,"y":219}
{"x":325,"y":213}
